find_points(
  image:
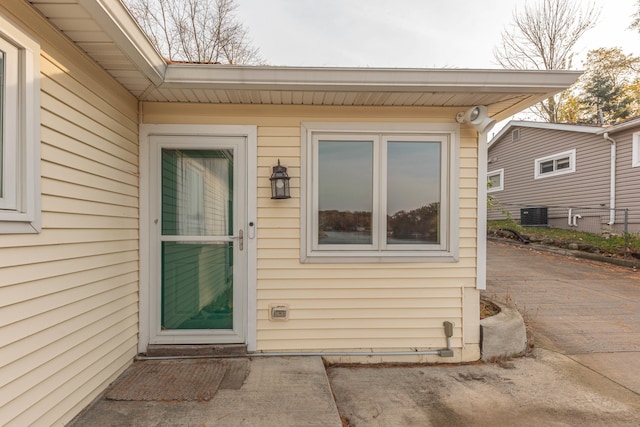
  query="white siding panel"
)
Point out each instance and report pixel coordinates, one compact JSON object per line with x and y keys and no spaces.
{"x":71,"y":130}
{"x":63,"y":111}
{"x":344,"y":306}
{"x":112,"y":162}
{"x":69,"y":295}
{"x":87,"y":177}
{"x":63,"y":236}
{"x":31,"y":255}
{"x":75,"y":191}
{"x":22,"y":274}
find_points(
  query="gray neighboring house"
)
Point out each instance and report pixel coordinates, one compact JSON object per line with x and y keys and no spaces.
{"x":552,"y":167}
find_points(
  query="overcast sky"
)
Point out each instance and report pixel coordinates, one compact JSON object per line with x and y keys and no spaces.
{"x":405,"y":33}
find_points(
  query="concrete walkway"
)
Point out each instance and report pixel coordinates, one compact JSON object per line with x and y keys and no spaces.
{"x":585,"y":370}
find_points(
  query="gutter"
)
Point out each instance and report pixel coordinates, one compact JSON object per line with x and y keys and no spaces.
{"x":612,"y":184}
{"x":115,"y":20}
{"x":346,"y":79}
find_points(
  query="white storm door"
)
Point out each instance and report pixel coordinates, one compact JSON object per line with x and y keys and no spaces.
{"x":198,"y":278}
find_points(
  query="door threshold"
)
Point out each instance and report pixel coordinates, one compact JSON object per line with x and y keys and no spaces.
{"x":196,"y":350}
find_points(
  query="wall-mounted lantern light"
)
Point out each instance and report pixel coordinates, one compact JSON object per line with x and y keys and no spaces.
{"x":280,"y":183}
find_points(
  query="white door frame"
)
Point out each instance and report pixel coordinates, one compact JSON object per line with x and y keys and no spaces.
{"x":146,"y":322}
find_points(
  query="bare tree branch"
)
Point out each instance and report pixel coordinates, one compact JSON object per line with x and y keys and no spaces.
{"x":542,"y":37}
{"x":203,"y":31}
{"x":635,"y":23}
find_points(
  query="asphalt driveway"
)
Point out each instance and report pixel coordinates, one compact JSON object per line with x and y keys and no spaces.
{"x":587,"y":310}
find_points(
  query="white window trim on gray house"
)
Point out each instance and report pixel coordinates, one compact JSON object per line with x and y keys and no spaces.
{"x":446,"y":249}
{"x":20,"y":131}
{"x":493,"y":188}
{"x":635,"y":161}
{"x":555,"y":160}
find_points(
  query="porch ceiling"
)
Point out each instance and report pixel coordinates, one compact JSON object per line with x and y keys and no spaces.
{"x":108,"y":34}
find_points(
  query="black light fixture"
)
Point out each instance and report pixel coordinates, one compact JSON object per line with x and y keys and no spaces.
{"x":280,"y":183}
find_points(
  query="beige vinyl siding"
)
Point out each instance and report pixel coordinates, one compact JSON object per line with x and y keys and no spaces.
{"x":627,"y":178}
{"x":390,"y":306}
{"x":588,"y":186}
{"x":69,"y":295}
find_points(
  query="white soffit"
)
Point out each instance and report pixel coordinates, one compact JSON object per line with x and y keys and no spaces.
{"x":108,"y":34}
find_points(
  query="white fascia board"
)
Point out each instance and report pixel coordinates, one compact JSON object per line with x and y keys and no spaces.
{"x":632,"y":123}
{"x":366,"y":79}
{"x":544,"y":125}
{"x":116,"y":21}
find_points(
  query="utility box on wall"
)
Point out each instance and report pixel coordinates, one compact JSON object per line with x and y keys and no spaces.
{"x":534,"y":217}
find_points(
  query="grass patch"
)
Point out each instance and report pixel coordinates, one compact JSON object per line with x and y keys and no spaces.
{"x":609,"y":244}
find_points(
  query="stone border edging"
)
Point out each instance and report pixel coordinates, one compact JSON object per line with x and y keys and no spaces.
{"x":573,"y":253}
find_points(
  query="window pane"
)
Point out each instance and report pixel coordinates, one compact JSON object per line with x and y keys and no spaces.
{"x":546,"y":166}
{"x":494,"y":181}
{"x":197,"y":285}
{"x":345,"y":192}
{"x":413,"y":192}
{"x":562,"y":163}
{"x":197,"y":192}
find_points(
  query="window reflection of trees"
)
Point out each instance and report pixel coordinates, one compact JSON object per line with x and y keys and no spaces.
{"x":421,"y":224}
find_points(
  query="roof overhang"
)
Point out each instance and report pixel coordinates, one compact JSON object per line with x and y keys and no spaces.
{"x":107,"y":33}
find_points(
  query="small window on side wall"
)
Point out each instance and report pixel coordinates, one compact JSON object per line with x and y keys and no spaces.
{"x":19,"y":131}
{"x":495,"y":181}
{"x":556,"y":164}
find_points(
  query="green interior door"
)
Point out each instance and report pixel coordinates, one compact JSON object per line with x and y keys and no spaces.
{"x":199,"y":294}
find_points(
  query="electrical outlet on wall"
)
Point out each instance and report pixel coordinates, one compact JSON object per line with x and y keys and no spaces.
{"x":278,"y":312}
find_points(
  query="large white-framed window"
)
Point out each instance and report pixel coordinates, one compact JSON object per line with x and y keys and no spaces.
{"x":635,"y":160}
{"x":379,"y":192}
{"x":19,"y":131}
{"x":556,"y":164}
{"x":495,"y":181}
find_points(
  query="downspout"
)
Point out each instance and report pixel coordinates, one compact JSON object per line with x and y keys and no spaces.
{"x":481,"y":268}
{"x":612,"y":184}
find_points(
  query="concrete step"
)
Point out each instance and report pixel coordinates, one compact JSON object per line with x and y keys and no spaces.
{"x":196,"y":350}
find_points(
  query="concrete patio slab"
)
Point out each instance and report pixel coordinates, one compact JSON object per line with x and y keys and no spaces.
{"x":278,"y":391}
{"x":550,"y":389}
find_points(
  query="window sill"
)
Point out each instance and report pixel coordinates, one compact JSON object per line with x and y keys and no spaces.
{"x":551,"y":174}
{"x":19,"y":227}
{"x":397,"y":257}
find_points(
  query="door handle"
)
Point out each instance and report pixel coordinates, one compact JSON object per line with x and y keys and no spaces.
{"x":239,"y":238}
